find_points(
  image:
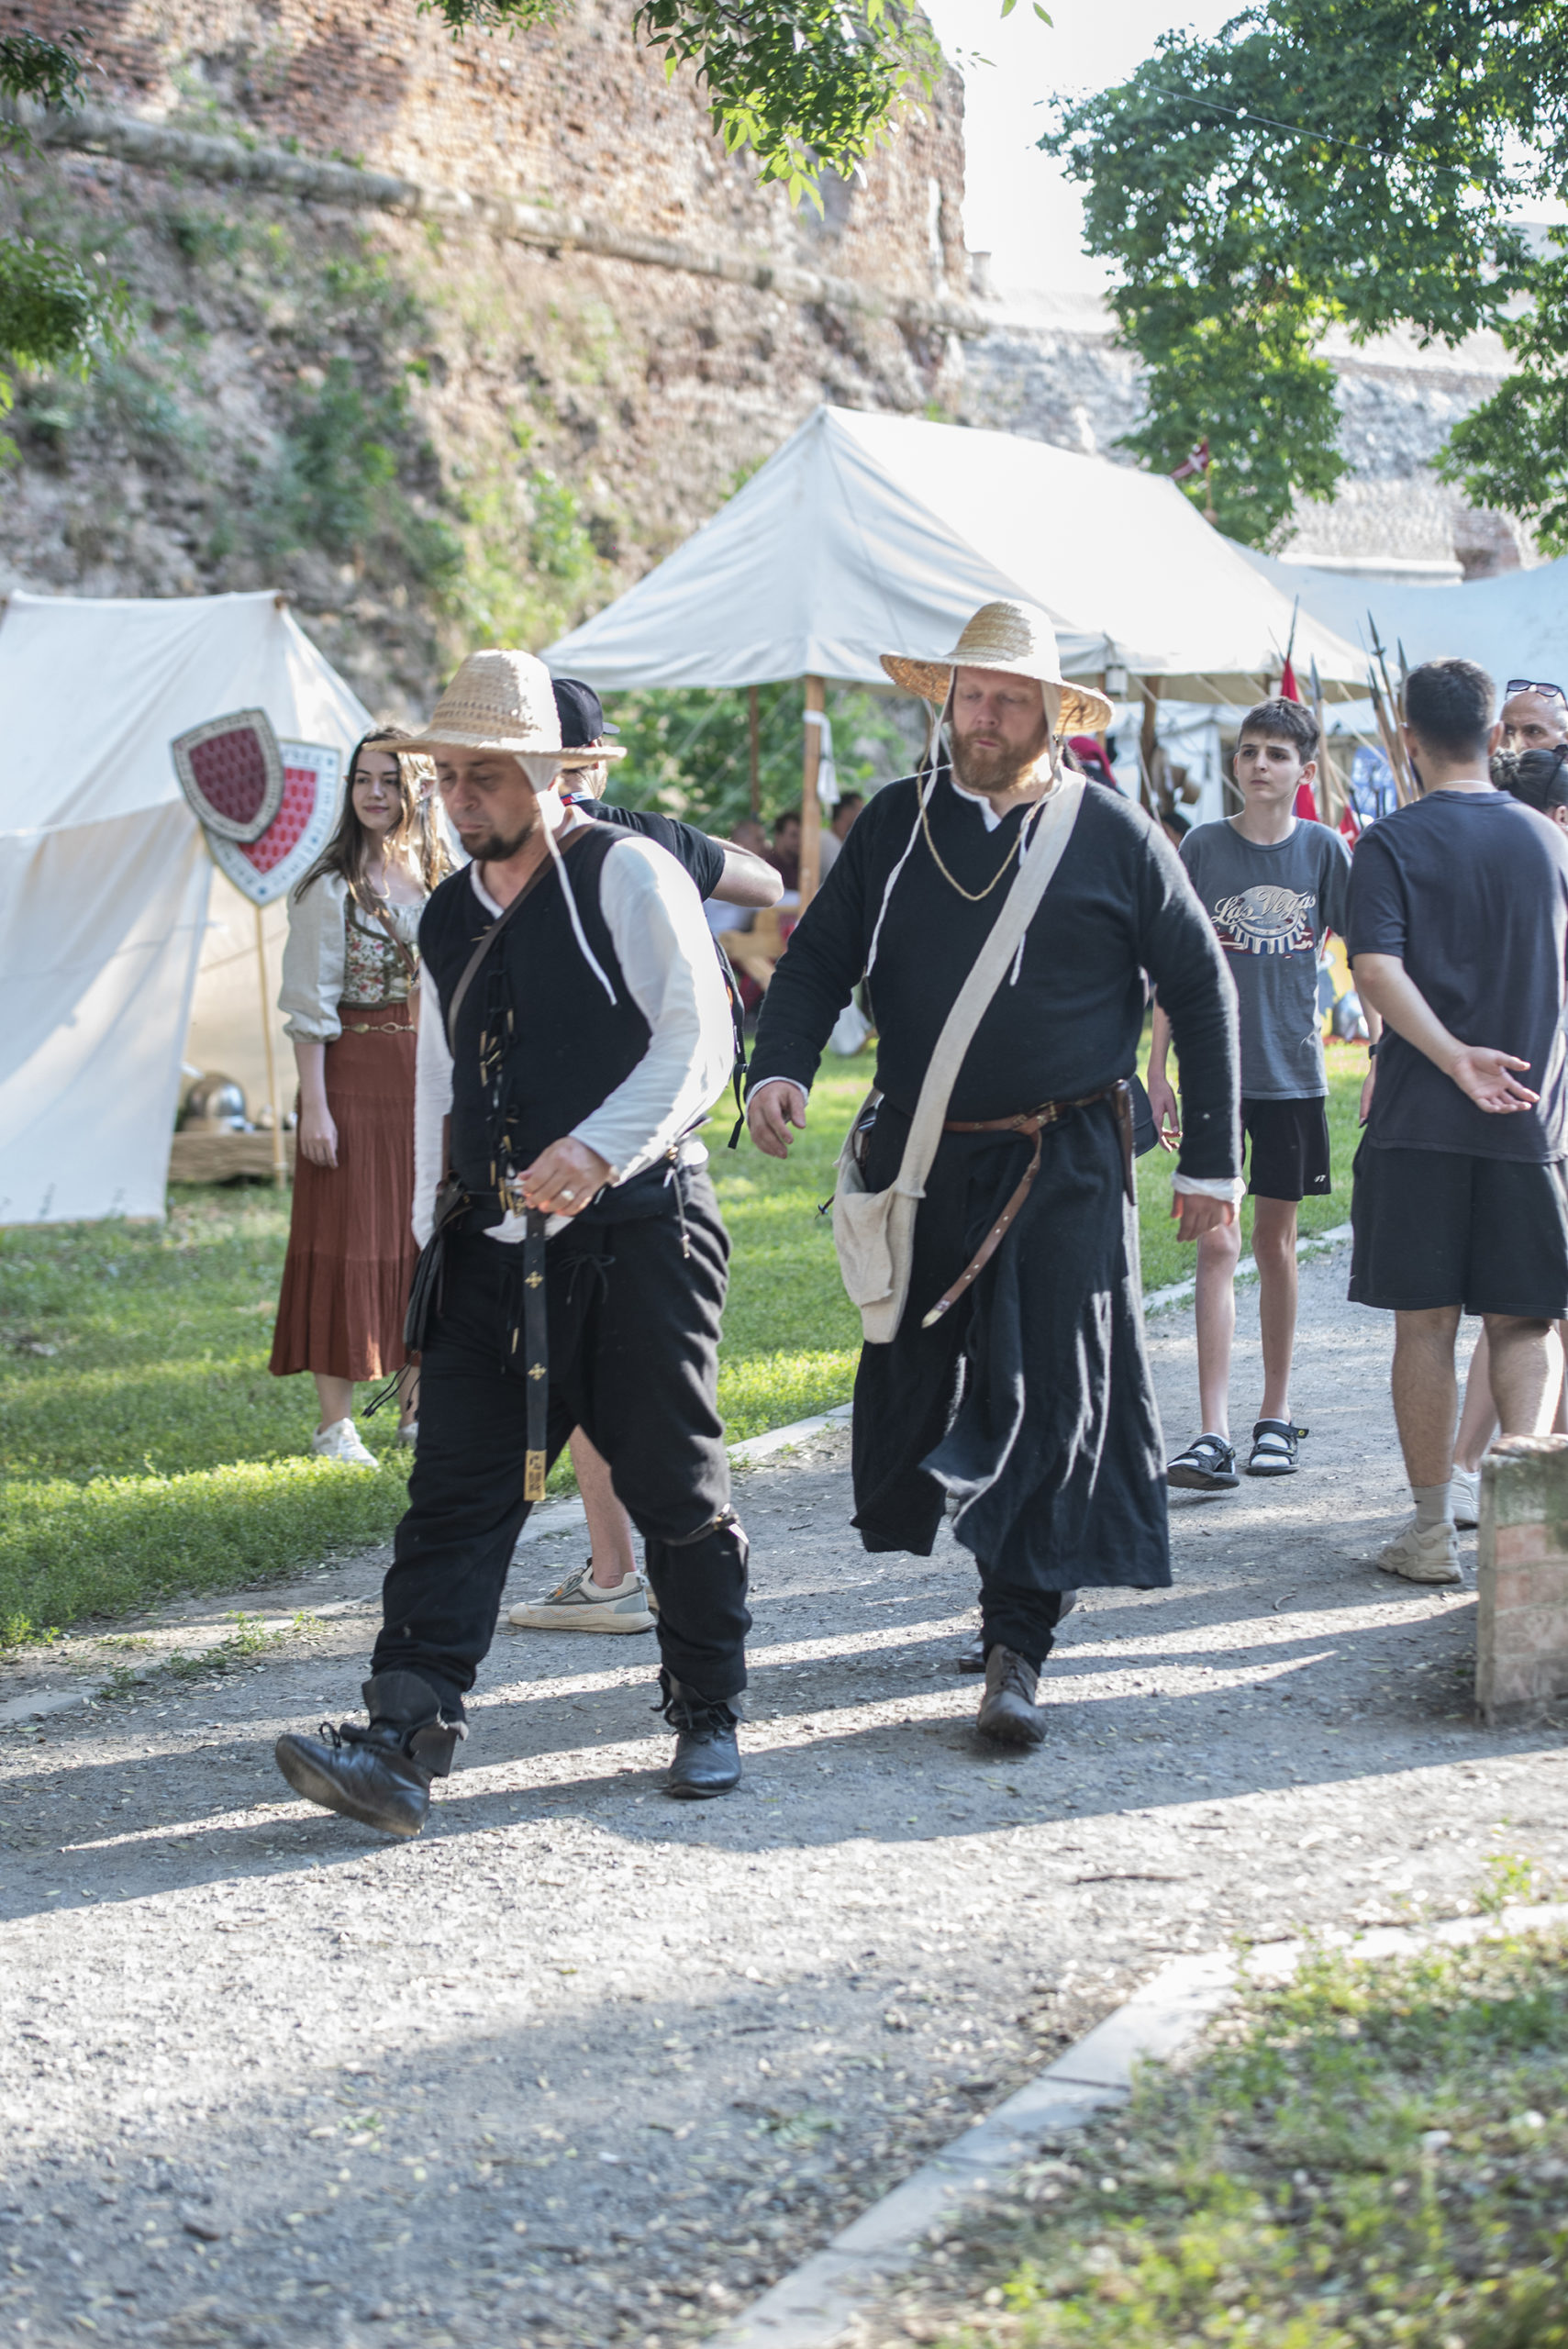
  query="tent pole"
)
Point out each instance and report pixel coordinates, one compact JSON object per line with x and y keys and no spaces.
{"x":810,"y":806}
{"x":754,"y":721}
{"x":1148,"y":743}
{"x":280,"y":1163}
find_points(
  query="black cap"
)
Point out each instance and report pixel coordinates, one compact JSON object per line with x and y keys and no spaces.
{"x":582,"y":714}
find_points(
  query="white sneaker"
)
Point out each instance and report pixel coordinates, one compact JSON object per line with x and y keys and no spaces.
{"x":1464,"y":1498}
{"x":1432,"y":1556}
{"x":341,"y":1442}
{"x":579,"y":1605}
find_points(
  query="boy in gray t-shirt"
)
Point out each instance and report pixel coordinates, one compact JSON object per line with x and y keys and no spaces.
{"x":1272,"y":884}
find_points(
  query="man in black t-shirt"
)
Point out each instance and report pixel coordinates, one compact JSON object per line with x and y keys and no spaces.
{"x":607,"y":1593}
{"x":1458,"y":933}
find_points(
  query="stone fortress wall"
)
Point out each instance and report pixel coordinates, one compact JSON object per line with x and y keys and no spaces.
{"x":453,"y":341}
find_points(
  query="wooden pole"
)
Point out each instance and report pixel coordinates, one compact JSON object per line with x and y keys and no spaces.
{"x":280,"y":1160}
{"x":754,"y":717}
{"x":810,"y":806}
{"x":1148,"y":743}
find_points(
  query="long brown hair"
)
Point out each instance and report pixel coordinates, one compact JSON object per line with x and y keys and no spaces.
{"x":414,"y":837}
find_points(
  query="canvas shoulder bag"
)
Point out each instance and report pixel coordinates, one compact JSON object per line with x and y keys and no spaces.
{"x":874,"y":1232}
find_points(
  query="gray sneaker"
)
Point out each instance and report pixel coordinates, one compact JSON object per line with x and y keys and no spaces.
{"x":579,"y":1605}
{"x":1464,"y":1498}
{"x":1432,"y":1556}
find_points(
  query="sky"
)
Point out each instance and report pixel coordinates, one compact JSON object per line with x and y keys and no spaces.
{"x":1018,"y":205}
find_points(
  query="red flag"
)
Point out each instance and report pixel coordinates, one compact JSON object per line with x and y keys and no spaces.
{"x":1306,"y":803}
{"x":1193,"y":465}
{"x":1350,"y":824}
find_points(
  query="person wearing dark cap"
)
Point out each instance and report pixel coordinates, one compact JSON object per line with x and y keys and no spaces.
{"x":607,"y":1593}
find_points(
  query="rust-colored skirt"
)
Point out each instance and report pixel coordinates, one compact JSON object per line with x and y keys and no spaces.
{"x":350,"y":1253}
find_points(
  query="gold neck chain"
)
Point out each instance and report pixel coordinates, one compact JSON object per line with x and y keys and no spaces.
{"x":977,"y":896}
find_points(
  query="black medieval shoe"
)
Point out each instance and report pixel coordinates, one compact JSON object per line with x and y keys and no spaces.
{"x":379,"y":1775}
{"x":1008,"y":1713}
{"x":708,"y":1751}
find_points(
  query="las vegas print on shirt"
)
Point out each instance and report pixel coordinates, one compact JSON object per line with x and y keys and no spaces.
{"x":1266,"y":920}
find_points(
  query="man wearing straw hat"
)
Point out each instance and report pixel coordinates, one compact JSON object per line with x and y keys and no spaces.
{"x":1013,"y":1389}
{"x":574,"y":1263}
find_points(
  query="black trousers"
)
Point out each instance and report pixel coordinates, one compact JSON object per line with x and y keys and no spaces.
{"x":634,"y":1303}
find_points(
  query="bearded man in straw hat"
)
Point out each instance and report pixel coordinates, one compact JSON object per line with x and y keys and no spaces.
{"x":1015,"y":1392}
{"x":574,"y":1261}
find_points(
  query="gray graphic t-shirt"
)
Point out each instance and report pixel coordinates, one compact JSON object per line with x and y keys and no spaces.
{"x":1271,"y":908}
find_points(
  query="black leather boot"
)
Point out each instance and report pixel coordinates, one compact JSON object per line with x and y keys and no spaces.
{"x":382,"y":1775}
{"x":708,"y":1752}
{"x":1007,"y":1710}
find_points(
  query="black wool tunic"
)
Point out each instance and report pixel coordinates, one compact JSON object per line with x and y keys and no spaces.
{"x":1029,"y":1408}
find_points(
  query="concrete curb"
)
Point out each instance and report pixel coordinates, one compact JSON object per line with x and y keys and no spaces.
{"x":814,"y":2307}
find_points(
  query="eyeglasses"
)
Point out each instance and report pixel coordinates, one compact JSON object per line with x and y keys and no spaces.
{"x":1530,"y":685}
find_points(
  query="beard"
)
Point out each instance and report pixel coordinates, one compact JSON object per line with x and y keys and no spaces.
{"x":496,"y":847}
{"x":994,"y":767}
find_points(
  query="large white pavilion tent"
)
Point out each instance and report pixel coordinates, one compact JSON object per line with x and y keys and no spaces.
{"x":866,"y":533}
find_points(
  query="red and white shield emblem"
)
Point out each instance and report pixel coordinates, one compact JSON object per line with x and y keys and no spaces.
{"x":265,"y":858}
{"x":230,"y":771}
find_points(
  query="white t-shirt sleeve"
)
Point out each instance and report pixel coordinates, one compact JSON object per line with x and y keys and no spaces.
{"x":666,"y":954}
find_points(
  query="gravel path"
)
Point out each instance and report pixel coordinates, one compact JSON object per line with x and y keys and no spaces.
{"x":586,"y":2065}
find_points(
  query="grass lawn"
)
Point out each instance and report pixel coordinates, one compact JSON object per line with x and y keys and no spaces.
{"x":147,"y":1449}
{"x":1375,"y":2154}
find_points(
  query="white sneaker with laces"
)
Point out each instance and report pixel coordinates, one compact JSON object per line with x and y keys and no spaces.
{"x":1431,"y":1557}
{"x":580,"y":1605}
{"x":1464,"y":1498}
{"x":342,"y":1443}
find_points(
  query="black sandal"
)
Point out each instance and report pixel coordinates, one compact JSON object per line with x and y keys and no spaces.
{"x":1206,"y":1467}
{"x":1273,"y":1448}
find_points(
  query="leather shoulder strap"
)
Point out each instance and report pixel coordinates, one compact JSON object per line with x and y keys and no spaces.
{"x":1030,"y":884}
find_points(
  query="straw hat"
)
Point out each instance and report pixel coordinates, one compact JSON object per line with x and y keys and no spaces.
{"x":1014,"y":637}
{"x":501,"y":701}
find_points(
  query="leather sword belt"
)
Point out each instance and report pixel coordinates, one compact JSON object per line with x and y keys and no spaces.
{"x":1027,"y":1122}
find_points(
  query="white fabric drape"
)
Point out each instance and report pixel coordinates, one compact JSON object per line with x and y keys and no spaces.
{"x":106,"y":883}
{"x":100,"y":931}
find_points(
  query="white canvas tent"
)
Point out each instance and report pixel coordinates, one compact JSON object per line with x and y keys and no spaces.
{"x":122,"y":950}
{"x":1516,"y":626}
{"x":865,"y":534}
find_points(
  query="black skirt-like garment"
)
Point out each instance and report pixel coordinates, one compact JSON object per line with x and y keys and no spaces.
{"x":1029,"y":1405}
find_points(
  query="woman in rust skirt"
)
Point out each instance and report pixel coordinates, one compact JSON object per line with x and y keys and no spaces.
{"x":350,"y":997}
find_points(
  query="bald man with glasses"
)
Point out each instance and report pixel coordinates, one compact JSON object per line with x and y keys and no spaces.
{"x":1534,"y":716}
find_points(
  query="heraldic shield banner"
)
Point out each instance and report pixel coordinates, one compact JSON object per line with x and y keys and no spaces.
{"x":267,"y":808}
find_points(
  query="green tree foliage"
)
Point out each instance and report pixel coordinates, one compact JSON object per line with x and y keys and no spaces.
{"x":54,"y":311}
{"x":806,"y":85}
{"x":1356,"y":164}
{"x":688,"y":751}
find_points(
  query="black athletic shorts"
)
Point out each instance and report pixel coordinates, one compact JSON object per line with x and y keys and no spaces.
{"x":1437,"y":1226}
{"x":1287,"y":1147}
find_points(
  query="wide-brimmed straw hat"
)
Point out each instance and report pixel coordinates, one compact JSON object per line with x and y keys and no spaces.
{"x":502,"y":701}
{"x":1018,"y":638}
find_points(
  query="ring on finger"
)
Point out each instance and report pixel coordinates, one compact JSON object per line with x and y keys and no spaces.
{"x":567,"y":1194}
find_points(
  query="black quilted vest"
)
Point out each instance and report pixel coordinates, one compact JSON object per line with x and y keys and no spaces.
{"x":538,"y":1045}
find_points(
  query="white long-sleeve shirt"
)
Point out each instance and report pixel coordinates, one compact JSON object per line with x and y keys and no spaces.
{"x":655,"y":920}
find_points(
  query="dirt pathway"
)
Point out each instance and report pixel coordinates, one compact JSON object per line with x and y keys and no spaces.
{"x":584,"y":2065}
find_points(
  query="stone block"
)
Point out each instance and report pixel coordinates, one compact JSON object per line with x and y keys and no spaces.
{"x":1521,"y":1656}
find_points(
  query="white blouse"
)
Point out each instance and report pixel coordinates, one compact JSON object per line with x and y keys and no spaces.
{"x":336,"y":953}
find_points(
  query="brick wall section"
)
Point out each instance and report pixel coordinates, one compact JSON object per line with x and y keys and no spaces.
{"x":1522,"y":1632}
{"x":578,"y":116}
